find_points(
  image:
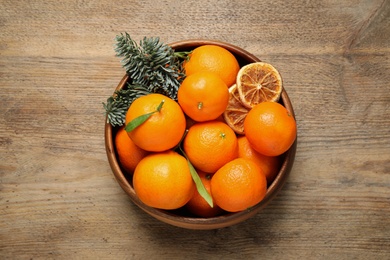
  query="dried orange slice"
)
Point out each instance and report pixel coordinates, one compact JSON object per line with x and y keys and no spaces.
{"x":235,"y":112}
{"x":258,"y":82}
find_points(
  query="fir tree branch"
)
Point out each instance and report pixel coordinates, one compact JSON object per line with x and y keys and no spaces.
{"x":152,"y":66}
{"x":151,"y":63}
{"x":118,"y":104}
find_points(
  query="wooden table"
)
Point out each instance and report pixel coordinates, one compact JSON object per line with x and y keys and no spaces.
{"x":59,"y":198}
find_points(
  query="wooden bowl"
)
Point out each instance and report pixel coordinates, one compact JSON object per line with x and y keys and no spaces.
{"x":180,"y":217}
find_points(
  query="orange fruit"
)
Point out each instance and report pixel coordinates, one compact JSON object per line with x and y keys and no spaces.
{"x":235,"y":111}
{"x":197,"y":205}
{"x":258,"y":82}
{"x":269,"y":164}
{"x":270,"y":128}
{"x":203,"y":96}
{"x":209,"y":145}
{"x":215,"y":59}
{"x":163,"y":180}
{"x":129,"y":154}
{"x":238,"y":185}
{"x":162,"y":130}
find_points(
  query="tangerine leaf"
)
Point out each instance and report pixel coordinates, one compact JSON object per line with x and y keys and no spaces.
{"x":198,"y":182}
{"x":133,"y":124}
{"x":199,"y":185}
{"x":136,"y":122}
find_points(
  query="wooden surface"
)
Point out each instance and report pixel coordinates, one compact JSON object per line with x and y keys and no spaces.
{"x":58,"y":196}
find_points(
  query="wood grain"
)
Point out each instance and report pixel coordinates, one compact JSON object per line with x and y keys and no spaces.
{"x":58,"y":196}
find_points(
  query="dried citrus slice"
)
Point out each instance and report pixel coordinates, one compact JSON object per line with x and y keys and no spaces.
{"x":258,"y":82}
{"x":235,"y":112}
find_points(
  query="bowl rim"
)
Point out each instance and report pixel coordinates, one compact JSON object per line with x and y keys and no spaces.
{"x":220,"y":221}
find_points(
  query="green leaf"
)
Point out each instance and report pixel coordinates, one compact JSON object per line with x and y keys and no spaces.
{"x":199,"y":185}
{"x":136,"y":122}
{"x":133,"y":124}
{"x":198,"y":182}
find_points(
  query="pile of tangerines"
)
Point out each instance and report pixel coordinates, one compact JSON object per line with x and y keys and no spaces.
{"x":227,"y":125}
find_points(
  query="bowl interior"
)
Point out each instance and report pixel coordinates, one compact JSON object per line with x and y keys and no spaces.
{"x":180,"y":217}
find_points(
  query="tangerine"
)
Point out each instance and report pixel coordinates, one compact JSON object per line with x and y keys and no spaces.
{"x":215,"y":59}
{"x":197,"y":205}
{"x":163,"y":180}
{"x":129,"y":154}
{"x":238,"y":185}
{"x":203,"y":96}
{"x":269,"y":164}
{"x":163,"y":129}
{"x":270,"y":128}
{"x":209,"y":145}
